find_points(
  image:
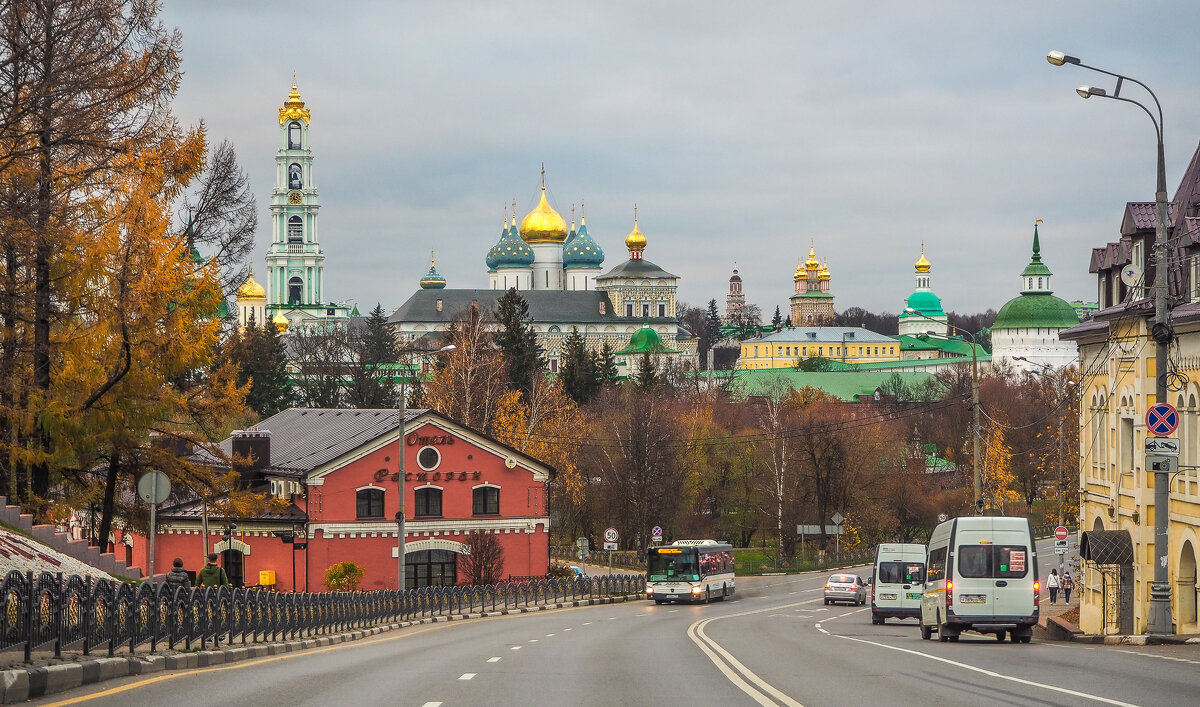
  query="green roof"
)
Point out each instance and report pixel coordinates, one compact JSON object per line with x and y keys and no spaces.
{"x":926,"y":303}
{"x":952,"y":345}
{"x":643,"y":341}
{"x":1034,"y":310}
{"x":847,"y":386}
{"x":1036,"y":266}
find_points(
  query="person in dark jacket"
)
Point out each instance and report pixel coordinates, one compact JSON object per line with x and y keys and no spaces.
{"x":213,"y":575}
{"x":178,"y":576}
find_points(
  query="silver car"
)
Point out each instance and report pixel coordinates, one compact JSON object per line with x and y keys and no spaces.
{"x":845,"y":587}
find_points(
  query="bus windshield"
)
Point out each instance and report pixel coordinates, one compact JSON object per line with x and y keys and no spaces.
{"x":673,"y":567}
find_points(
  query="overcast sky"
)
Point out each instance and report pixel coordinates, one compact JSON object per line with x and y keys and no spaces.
{"x":743,"y":131}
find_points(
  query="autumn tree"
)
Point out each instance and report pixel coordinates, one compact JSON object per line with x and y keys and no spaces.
{"x":84,"y":84}
{"x":483,"y":563}
{"x":467,"y":382}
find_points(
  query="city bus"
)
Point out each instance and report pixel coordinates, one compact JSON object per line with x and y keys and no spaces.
{"x":689,"y":570}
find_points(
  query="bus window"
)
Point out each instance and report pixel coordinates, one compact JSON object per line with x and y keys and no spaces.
{"x":681,"y":567}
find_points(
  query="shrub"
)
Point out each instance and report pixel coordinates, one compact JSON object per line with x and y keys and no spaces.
{"x":343,"y":577}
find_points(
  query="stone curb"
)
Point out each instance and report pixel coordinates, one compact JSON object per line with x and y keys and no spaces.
{"x":30,"y":683}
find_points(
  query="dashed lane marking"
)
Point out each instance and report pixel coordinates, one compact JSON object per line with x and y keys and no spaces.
{"x":466,"y":676}
{"x":533,"y":640}
{"x":549,"y":635}
{"x":515,"y":648}
{"x":494,"y":659}
{"x":432,"y":704}
{"x":567,"y":629}
{"x":1161,"y":657}
{"x":587,"y":623}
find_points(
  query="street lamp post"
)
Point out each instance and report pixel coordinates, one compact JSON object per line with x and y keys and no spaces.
{"x":1160,"y":589}
{"x":975,"y":453}
{"x":400,"y":528}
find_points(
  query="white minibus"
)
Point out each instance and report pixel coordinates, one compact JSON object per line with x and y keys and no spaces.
{"x":981,"y":575}
{"x":896,"y":581}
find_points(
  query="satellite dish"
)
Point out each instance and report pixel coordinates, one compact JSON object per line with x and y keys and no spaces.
{"x":1131,"y":275}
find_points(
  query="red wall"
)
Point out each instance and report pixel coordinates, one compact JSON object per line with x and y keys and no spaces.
{"x":332,"y":518}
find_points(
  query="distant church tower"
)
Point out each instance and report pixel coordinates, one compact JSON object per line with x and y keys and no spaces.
{"x":295,"y":263}
{"x":927,"y":314}
{"x":735,"y":301}
{"x":812,"y":303}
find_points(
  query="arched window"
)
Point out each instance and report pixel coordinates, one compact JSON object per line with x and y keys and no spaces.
{"x":294,"y":136}
{"x":485,"y":501}
{"x":369,"y":503}
{"x":295,"y":178}
{"x":295,"y":230}
{"x":429,"y":503}
{"x":295,"y":285}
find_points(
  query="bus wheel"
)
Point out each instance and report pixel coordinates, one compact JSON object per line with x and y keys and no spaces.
{"x":707,"y":595}
{"x":658,"y":601}
{"x":724,"y":592}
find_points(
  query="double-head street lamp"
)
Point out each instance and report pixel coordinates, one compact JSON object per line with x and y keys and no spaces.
{"x":1160,"y":589}
{"x":403,"y":413}
{"x":975,"y":454}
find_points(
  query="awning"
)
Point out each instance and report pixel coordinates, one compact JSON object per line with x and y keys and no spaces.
{"x":1107,"y":547}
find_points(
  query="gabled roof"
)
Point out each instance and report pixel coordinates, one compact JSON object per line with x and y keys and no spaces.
{"x":1139,"y":216}
{"x":545,"y":307}
{"x":823,"y":334}
{"x":305,"y":439}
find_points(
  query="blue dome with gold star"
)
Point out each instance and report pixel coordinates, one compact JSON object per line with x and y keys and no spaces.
{"x":510,"y":250}
{"x":582,"y":251}
{"x":433,"y":280}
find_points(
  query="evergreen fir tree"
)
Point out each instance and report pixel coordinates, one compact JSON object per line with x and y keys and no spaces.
{"x":261,"y":356}
{"x":646,"y":376}
{"x":777,"y":320}
{"x":518,"y":342}
{"x":788,"y":322}
{"x":376,"y":353}
{"x":379,"y":346}
{"x":580,"y":373}
{"x":606,"y":366}
{"x":713,"y":321}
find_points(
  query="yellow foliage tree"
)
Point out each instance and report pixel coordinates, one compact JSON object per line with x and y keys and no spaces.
{"x":998,"y":479}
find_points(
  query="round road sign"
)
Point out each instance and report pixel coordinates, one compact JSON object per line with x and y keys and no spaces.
{"x":610,"y":535}
{"x":1060,"y":533}
{"x":154,"y":487}
{"x":1162,"y":419}
{"x":656,"y":531}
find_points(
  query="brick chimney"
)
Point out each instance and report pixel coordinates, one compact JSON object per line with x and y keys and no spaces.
{"x":254,"y":446}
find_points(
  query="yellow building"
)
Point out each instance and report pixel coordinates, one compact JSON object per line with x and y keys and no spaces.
{"x":786,"y":348}
{"x":1117,"y":358}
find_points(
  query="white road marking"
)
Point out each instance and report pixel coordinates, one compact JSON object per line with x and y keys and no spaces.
{"x":533,"y":640}
{"x":466,"y":676}
{"x":566,"y":629}
{"x":494,"y":659}
{"x":515,"y":648}
{"x":1161,"y":657}
{"x":587,"y":623}
{"x":672,"y":611}
{"x":761,"y":691}
{"x":793,"y":593}
{"x":612,"y":618}
{"x":432,"y":704}
{"x":549,"y":635}
{"x":990,"y":673}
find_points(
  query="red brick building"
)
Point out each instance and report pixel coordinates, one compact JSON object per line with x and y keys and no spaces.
{"x":335,"y":473}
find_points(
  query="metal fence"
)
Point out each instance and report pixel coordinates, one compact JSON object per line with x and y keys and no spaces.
{"x":51,"y":611}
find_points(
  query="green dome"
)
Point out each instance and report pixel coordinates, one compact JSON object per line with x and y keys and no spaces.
{"x":645,"y":340}
{"x":1035,"y":310}
{"x":925,"y":303}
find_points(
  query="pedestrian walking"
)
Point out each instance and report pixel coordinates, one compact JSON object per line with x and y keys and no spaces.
{"x":213,"y":575}
{"x":178,"y":576}
{"x":1067,"y":585}
{"x":1052,"y":583}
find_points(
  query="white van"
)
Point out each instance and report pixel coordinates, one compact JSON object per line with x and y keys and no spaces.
{"x":896,"y":581}
{"x":981,"y":575}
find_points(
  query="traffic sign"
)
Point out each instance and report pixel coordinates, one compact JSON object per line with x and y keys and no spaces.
{"x":1061,"y":550}
{"x":1062,"y":543}
{"x":1162,"y":419}
{"x":610,"y":546}
{"x":610,"y":536}
{"x":1164,"y":465}
{"x":1061,"y":533}
{"x":1166,"y":446}
{"x":837,"y":518}
{"x":656,"y":531}
{"x":153,"y":487}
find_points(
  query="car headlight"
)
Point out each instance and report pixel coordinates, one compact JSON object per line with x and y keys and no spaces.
{"x":697,"y":590}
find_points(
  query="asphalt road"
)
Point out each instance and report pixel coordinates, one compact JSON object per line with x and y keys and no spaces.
{"x":774,"y":644}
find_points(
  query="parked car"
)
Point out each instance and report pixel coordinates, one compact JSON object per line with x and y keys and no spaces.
{"x":580,"y":575}
{"x":846,"y":587}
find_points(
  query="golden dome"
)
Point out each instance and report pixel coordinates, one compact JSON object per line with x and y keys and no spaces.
{"x":812,"y":263}
{"x":923,"y":265}
{"x":293,"y":108}
{"x":824,"y":275}
{"x":543,"y":224}
{"x":636,"y":240}
{"x":280,"y":322}
{"x":251,"y":289}
{"x":800,"y":275}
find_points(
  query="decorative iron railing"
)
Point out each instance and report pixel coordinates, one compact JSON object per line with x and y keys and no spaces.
{"x":70,"y":613}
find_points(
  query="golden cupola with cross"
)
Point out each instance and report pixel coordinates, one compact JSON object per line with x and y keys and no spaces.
{"x":812,"y":302}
